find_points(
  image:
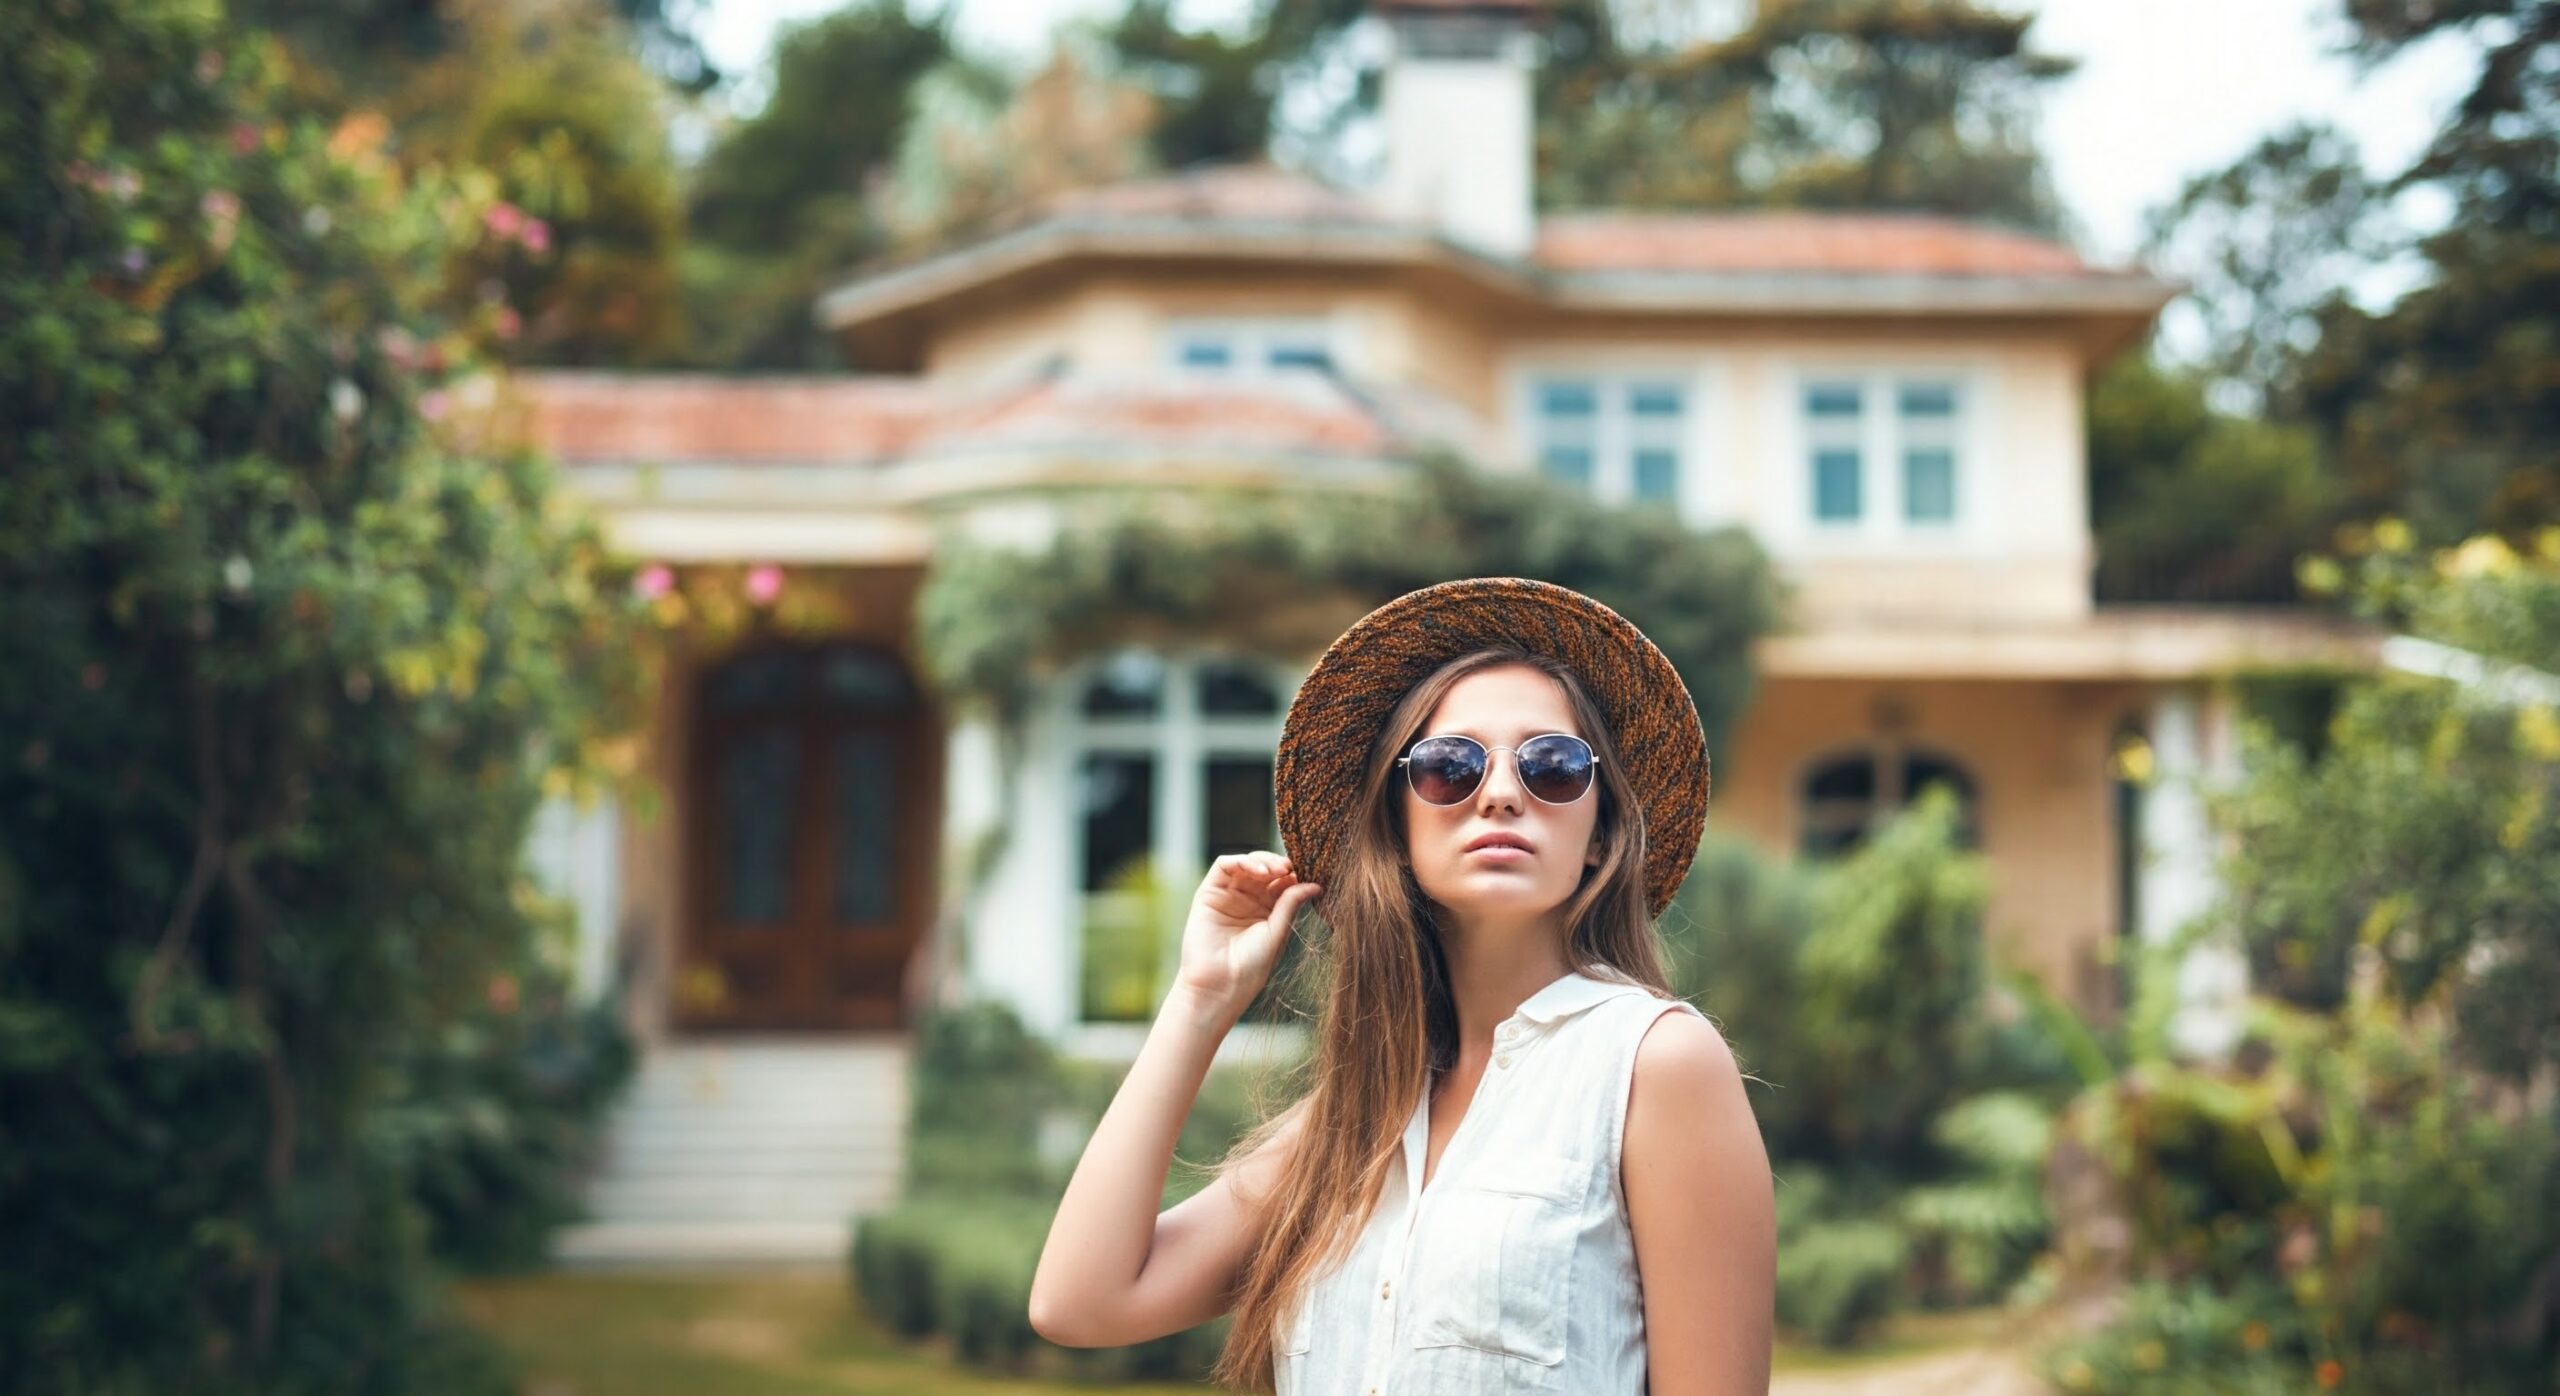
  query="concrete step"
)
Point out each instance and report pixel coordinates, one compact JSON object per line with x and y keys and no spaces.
{"x":659,"y":1245}
{"x":752,"y":1151}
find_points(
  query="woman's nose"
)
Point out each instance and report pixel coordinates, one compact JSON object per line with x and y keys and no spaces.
{"x":1501,"y":788}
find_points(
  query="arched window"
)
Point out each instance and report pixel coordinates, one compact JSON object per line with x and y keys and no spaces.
{"x":1848,"y":795}
{"x":1170,"y":768}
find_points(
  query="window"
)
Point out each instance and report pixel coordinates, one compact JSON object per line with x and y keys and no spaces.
{"x":1834,"y":429}
{"x":1621,"y":438}
{"x":1846,"y":797}
{"x":1252,"y":346}
{"x":1881,"y":449}
{"x":1171,"y":768}
{"x":1928,"y":452}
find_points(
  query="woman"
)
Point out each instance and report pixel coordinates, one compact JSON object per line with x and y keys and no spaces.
{"x":1521,"y":1166}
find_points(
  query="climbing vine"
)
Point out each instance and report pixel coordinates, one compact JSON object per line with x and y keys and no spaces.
{"x":1280,"y":574}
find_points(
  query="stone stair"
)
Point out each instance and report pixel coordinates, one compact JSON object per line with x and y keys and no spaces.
{"x":746,"y":1151}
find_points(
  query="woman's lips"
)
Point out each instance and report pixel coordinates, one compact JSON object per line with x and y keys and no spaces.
{"x":1501,"y":852}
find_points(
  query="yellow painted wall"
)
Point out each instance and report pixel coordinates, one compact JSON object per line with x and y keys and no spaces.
{"x":2039,"y":757}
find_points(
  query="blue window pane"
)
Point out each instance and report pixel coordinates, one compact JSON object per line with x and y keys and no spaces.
{"x":1929,"y":486}
{"x":1657,"y":476}
{"x":1567,"y":400}
{"x":1570,"y":464}
{"x":1928,"y":400}
{"x":1654,"y":400}
{"x":1204,"y":353}
{"x":1835,"y":485}
{"x":1832,"y":400}
{"x":1300,"y":356}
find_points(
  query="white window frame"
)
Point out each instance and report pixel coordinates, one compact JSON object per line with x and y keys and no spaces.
{"x":1250,"y":341}
{"x":1615,"y":430}
{"x":1884,"y":521}
{"x":1181,"y":739}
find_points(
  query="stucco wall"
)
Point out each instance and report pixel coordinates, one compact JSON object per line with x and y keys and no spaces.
{"x":2039,"y":756}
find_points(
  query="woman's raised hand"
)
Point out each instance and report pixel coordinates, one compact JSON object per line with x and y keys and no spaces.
{"x":1240,"y":918}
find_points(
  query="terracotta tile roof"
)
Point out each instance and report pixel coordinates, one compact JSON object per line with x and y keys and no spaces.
{"x":1836,"y":243}
{"x":674,"y":418}
{"x":1308,"y":415}
{"x":677,"y":417}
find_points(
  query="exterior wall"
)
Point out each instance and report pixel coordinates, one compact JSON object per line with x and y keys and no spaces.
{"x":2039,"y":755}
{"x":2019,"y":551}
{"x":1118,"y":324}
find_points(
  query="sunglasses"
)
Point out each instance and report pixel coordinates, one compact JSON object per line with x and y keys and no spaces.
{"x":1555,"y":768}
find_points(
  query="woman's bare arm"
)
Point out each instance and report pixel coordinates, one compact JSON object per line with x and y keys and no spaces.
{"x":1113,"y":1271}
{"x":1701,"y":1205}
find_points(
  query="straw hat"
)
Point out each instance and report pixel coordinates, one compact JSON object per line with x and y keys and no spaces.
{"x":1335,"y":719}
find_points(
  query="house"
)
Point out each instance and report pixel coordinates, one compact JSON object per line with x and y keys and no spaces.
{"x":1892,"y":404}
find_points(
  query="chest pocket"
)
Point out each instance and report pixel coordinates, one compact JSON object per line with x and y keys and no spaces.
{"x":1501,"y":1272}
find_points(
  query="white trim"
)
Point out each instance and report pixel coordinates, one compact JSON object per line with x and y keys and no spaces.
{"x":1181,"y":739}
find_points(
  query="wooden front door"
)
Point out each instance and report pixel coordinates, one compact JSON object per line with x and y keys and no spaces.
{"x":812,"y":841}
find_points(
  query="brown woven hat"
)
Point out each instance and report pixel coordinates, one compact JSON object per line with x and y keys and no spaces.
{"x":1335,"y":718}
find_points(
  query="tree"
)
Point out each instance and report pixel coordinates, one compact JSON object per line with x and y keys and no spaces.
{"x":1921,"y":105}
{"x":1219,"y":97}
{"x":840,"y":105}
{"x":2264,"y":246}
{"x":2193,"y":504}
{"x":290,"y":669}
{"x":549,"y":101}
{"x":2445,"y":407}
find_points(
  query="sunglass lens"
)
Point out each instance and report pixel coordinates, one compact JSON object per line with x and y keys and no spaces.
{"x":1556,"y":768}
{"x":1445,"y":770}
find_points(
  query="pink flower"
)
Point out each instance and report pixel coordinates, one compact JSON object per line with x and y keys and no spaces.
{"x":503,"y":219}
{"x":244,"y":137}
{"x":508,"y":323}
{"x":433,"y":404}
{"x":764,"y":583}
{"x":654,"y":581}
{"x":536,"y":236}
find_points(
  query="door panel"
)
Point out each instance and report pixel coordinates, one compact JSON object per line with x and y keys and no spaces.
{"x":813,"y":842}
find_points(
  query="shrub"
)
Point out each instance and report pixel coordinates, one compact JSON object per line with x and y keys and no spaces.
{"x":1838,"y":1279}
{"x":291,"y":665}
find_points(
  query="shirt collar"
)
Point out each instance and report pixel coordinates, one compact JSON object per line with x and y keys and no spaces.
{"x":1567,"y":996}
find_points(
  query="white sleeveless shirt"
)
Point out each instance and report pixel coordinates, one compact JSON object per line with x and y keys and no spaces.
{"x":1515,"y":1271}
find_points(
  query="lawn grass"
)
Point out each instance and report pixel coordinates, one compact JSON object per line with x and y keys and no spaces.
{"x":765,"y":1334}
{"x":721,"y":1335}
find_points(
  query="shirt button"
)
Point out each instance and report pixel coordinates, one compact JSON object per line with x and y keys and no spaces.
{"x":1384,"y":1287}
{"x":1503,"y":1062}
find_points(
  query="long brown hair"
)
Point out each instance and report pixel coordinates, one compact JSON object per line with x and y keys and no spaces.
{"x":1389,"y":1021}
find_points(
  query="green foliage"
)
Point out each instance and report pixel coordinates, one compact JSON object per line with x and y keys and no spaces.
{"x":568,"y":124}
{"x":995,"y":1111}
{"x":1838,"y":1280}
{"x":289,"y":675}
{"x":1921,"y":105}
{"x":1278,"y":573}
{"x":1907,"y":1128}
{"x":2191,"y":504}
{"x":2423,"y":841}
{"x":2263,"y":246}
{"x":839,"y":105}
{"x":2367,"y":1196}
{"x":498,"y":1119}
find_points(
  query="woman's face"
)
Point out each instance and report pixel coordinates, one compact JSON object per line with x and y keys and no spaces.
{"x":1501,"y":707}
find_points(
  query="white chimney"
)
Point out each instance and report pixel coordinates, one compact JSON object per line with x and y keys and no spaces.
{"x":1456,"y":103}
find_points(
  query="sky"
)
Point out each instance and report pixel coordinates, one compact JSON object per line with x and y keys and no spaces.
{"x":2166,"y":89}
